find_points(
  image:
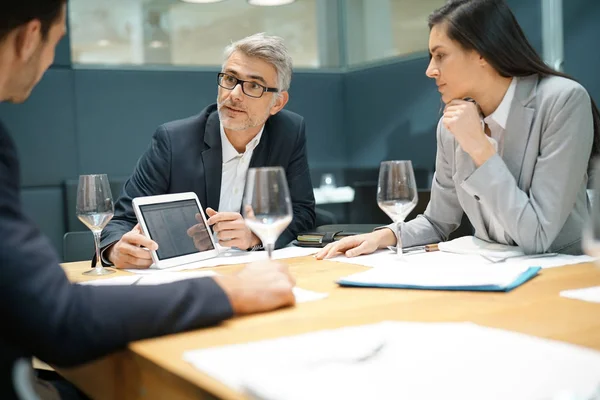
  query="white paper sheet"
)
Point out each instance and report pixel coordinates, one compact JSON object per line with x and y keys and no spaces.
{"x":232,"y":257}
{"x":156,"y":278}
{"x":398,"y":360}
{"x":591,"y":294}
{"x":473,"y":245}
{"x":160,"y":277}
{"x":304,"y":296}
{"x":437,"y":258}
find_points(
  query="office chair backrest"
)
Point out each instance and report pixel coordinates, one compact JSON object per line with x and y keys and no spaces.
{"x":324,"y":217}
{"x":78,"y":246}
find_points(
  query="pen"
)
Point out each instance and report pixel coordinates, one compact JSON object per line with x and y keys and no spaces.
{"x":425,"y":248}
{"x":417,"y":249}
{"x":431,"y":247}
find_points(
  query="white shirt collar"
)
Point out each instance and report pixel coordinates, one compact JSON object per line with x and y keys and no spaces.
{"x":500,"y":115}
{"x":229,"y":152}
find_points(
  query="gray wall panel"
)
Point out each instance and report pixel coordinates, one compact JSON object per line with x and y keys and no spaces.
{"x":62,"y":57}
{"x":44,"y":130}
{"x":45,"y":208}
{"x":529,"y":16}
{"x":582,"y":31}
{"x":319,"y":98}
{"x":393,"y":121}
{"x":118,"y":111}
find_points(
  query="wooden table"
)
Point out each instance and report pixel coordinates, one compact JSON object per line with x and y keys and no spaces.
{"x":154,"y":369}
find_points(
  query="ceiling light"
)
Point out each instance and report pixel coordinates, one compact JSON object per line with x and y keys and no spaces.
{"x":103,"y":42}
{"x":269,"y":2}
{"x":157,"y":44}
{"x":201,"y":1}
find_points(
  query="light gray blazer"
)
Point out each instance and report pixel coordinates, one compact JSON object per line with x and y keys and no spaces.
{"x":536,"y":190}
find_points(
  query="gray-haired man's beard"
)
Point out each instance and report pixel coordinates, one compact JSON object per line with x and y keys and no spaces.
{"x":237,"y":125}
{"x":228,"y":103}
{"x":241,"y":125}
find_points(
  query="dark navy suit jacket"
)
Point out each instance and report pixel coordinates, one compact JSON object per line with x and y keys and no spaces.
{"x":186,"y":156}
{"x":46,"y":316}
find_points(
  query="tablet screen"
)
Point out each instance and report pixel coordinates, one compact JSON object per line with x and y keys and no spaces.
{"x":169,"y":225}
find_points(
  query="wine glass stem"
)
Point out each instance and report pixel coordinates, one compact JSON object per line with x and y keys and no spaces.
{"x":99,"y":266}
{"x":399,"y":252}
{"x":270,"y":247}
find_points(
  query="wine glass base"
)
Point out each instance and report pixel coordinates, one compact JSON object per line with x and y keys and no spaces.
{"x":103,"y":271}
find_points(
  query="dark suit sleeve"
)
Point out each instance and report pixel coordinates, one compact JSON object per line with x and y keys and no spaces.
{"x":150,"y":177}
{"x":301,"y":192}
{"x":64,"y":324}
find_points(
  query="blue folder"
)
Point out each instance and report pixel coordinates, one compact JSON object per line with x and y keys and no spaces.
{"x":521,"y":279}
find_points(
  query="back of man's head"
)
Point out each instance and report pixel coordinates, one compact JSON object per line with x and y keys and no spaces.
{"x":29,"y":33}
{"x":19,"y":12}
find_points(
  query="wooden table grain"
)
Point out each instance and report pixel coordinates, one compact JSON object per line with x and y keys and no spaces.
{"x":155,"y":369}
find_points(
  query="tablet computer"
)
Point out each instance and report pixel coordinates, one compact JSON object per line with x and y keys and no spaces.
{"x":176,"y":222}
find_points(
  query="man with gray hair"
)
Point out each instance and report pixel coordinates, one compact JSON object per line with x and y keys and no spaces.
{"x":210,"y":154}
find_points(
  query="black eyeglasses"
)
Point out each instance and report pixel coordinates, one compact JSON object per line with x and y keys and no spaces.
{"x":251,"y":89}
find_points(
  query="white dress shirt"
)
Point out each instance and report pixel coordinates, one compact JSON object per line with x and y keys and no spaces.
{"x":496,"y":122}
{"x":234,"y":169}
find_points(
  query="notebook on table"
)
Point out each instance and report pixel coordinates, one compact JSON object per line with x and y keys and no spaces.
{"x":321,"y":239}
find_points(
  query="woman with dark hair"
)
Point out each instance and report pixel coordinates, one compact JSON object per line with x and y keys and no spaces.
{"x":513,"y":144}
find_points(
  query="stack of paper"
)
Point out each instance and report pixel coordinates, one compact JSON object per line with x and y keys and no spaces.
{"x":396,"y":360}
{"x":229,"y":256}
{"x":154,"y":278}
{"x":161,"y":277}
{"x":389,"y":258}
{"x":443,"y":277}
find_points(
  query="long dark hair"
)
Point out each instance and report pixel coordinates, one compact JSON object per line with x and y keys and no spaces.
{"x":491,"y":29}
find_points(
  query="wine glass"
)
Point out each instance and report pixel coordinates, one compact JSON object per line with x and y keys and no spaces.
{"x":397,"y":193}
{"x":591,"y":231}
{"x":266,"y":205}
{"x":95,"y":208}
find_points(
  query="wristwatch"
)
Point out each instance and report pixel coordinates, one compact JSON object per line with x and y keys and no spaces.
{"x":256,"y":247}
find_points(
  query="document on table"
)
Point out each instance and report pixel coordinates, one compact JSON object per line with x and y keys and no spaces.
{"x":591,"y":294}
{"x":443,"y":277}
{"x":404,"y":360}
{"x":156,"y":278}
{"x":233,"y":256}
{"x":389,"y":258}
{"x":161,"y":277}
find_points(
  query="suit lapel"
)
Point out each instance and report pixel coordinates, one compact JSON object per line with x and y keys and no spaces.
{"x":260,"y":156}
{"x":518,"y":126}
{"x":212,"y":158}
